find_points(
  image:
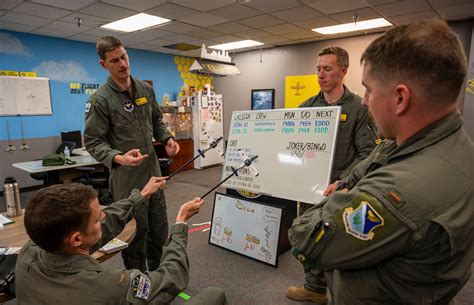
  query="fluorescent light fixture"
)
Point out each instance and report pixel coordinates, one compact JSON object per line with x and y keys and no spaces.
{"x":135,"y":23}
{"x":236,"y":45}
{"x":351,"y":27}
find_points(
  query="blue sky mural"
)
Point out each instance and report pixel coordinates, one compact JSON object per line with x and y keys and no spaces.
{"x":64,"y":62}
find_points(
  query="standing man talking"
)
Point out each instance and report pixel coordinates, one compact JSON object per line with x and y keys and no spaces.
{"x":354,"y":144}
{"x":122,"y":118}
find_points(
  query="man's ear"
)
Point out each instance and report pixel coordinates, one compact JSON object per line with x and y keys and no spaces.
{"x":403,"y":96}
{"x":74,"y":239}
{"x":102,"y":64}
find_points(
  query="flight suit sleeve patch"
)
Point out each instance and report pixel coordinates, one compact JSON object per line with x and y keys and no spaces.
{"x":140,"y":288}
{"x":365,"y":219}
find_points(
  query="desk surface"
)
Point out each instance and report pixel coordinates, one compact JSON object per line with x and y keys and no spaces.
{"x":37,"y":167}
{"x":14,"y":235}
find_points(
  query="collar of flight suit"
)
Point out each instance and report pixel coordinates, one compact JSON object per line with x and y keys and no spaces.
{"x":113,"y":85}
{"x":345,"y":97}
{"x":70,"y":263}
{"x":429,"y":135}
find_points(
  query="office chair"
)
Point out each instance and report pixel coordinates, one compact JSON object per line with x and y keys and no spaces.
{"x":99,"y":181}
{"x":52,"y":177}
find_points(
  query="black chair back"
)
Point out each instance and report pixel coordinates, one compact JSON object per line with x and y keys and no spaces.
{"x":69,"y":144}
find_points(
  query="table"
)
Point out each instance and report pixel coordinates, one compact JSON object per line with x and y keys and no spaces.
{"x":66,"y":172}
{"x":14,"y":235}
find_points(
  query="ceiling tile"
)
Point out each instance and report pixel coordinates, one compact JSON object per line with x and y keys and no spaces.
{"x":143,"y":36}
{"x":448,"y":3}
{"x":273,"y":39}
{"x":261,"y":21}
{"x":315,"y":22}
{"x":88,"y":20}
{"x":266,"y":6}
{"x":172,"y":11}
{"x":67,"y":26}
{"x":234,"y":12}
{"x":69,"y":5}
{"x":203,"y":19}
{"x":204,"y":5}
{"x":16,"y":27}
{"x":404,"y":19}
{"x":24,"y":19}
{"x":282,"y":29}
{"x":39,"y":10}
{"x":457,"y":12}
{"x":142,"y":46}
{"x":136,"y":5}
{"x":226,"y":38}
{"x":363,"y":14}
{"x":403,"y":8}
{"x":84,"y":37}
{"x":179,"y":38}
{"x":9,"y":4}
{"x":52,"y":32}
{"x":204,"y":33}
{"x":167,"y":51}
{"x":301,"y":35}
{"x":159,"y":42}
{"x":100,"y":32}
{"x":178,"y":27}
{"x":382,"y":2}
{"x":297,"y":14}
{"x":232,"y":27}
{"x":335,"y":6}
{"x":108,"y":11}
{"x":253,"y":34}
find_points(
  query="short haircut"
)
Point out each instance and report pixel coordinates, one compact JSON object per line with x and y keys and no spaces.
{"x":56,"y":211}
{"x":427,"y":55}
{"x":341,"y":55}
{"x":107,"y":44}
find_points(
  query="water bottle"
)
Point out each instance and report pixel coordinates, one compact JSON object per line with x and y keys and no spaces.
{"x":11,"y":192}
{"x":67,"y":153}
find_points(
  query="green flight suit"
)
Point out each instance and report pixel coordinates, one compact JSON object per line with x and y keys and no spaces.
{"x":43,"y":278}
{"x":404,"y":233}
{"x":354,"y":141}
{"x":115,"y":123}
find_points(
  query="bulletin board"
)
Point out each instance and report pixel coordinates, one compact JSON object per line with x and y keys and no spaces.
{"x":24,"y":96}
{"x":247,"y":227}
{"x":295,"y":149}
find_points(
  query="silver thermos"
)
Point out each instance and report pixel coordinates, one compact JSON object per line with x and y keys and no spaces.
{"x":11,"y":192}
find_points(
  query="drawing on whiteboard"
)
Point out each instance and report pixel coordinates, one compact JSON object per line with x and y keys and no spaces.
{"x":265,"y":254}
{"x":24,"y":96}
{"x":269,"y":215}
{"x":252,"y":239}
{"x":244,"y":207}
{"x":268,"y":232}
{"x":218,"y":226}
{"x":227,"y":235}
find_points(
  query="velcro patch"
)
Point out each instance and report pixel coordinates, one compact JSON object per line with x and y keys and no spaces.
{"x":362,"y":221}
{"x":141,"y":101}
{"x":141,"y":287}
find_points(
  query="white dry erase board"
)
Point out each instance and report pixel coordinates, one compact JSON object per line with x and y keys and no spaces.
{"x":247,"y":227}
{"x":24,"y":96}
{"x":295,"y":149}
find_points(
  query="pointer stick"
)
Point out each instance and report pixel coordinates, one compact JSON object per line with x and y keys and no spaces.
{"x":182,"y":166}
{"x":228,"y":177}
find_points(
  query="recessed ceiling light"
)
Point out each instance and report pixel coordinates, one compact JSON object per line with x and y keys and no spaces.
{"x":353,"y":26}
{"x":135,"y":23}
{"x":237,"y":45}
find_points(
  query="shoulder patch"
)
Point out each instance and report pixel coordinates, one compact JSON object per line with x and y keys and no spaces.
{"x":362,"y":221}
{"x":141,"y":287}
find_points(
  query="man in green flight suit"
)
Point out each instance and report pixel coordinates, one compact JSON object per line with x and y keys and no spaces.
{"x":354,"y":144}
{"x":399,"y":229}
{"x":66,"y":223}
{"x":122,"y":118}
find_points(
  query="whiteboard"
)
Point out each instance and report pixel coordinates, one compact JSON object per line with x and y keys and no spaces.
{"x":24,"y":96}
{"x":249,"y":228}
{"x":295,"y":149}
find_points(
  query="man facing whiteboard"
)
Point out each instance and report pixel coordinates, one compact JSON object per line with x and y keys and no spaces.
{"x":354,"y":143}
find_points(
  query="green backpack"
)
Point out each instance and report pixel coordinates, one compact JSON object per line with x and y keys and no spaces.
{"x":56,"y":159}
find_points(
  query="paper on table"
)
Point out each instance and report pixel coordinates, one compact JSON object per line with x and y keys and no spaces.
{"x":4,"y":220}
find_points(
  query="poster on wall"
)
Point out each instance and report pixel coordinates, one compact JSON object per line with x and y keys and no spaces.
{"x":246,"y":227}
{"x":299,"y":88}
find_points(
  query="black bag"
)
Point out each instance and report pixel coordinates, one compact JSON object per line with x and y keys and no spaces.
{"x":56,"y":159}
{"x":7,"y":273}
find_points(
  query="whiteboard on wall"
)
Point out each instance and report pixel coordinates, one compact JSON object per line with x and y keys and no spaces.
{"x":246,"y":227}
{"x":295,"y":149}
{"x":24,"y":96}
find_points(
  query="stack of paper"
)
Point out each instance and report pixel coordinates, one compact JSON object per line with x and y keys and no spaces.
{"x":114,"y":245}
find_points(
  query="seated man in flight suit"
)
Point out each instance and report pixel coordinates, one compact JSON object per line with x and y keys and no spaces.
{"x":399,"y":229}
{"x":66,"y":224}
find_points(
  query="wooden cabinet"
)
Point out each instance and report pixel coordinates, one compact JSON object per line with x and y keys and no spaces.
{"x":185,"y":154}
